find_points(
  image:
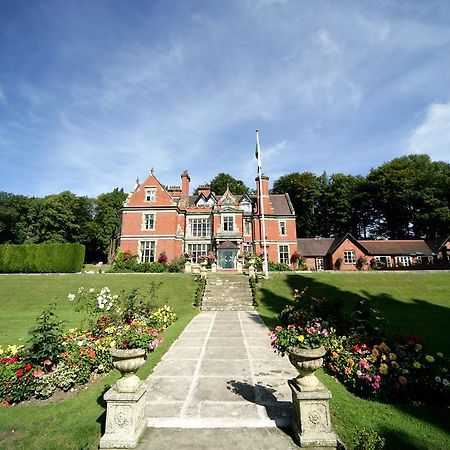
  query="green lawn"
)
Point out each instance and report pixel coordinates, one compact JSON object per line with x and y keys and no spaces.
{"x":75,"y":423}
{"x":23,"y":297}
{"x":416,"y":303}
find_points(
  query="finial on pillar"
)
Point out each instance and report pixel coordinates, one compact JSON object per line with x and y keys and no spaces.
{"x":152,"y":171}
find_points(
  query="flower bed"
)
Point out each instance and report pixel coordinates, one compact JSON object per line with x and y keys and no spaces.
{"x":60,"y":360}
{"x":362,"y":354}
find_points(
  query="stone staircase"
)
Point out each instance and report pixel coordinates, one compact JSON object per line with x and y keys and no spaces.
{"x":225,"y":292}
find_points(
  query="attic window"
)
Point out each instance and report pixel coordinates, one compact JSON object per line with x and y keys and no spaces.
{"x":246,"y":206}
{"x":150,"y":194}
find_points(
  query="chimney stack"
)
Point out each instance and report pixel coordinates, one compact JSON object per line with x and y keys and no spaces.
{"x":185,"y":179}
{"x":265,"y":191}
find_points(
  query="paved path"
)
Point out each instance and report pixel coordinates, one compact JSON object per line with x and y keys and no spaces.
{"x":220,"y":373}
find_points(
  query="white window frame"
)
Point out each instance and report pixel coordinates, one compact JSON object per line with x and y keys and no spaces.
{"x":246,"y":206}
{"x":320,"y":264}
{"x":403,"y":261}
{"x":147,"y":251}
{"x":150,"y":194}
{"x":283,"y":254}
{"x":247,"y":248}
{"x":145,"y":221}
{"x":199,"y":227}
{"x":282,"y":227}
{"x":197,"y":250}
{"x":247,"y":227}
{"x":229,"y":220}
{"x":386,"y":259}
{"x":349,"y":257}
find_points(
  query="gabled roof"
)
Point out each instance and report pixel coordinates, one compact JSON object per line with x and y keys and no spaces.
{"x":314,"y":246}
{"x":437,"y":244}
{"x":340,"y":239}
{"x":397,"y":247}
{"x":228,"y":245}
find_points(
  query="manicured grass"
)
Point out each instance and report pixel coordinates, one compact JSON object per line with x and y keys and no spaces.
{"x":23,"y":297}
{"x":417,"y":303}
{"x":78,"y":422}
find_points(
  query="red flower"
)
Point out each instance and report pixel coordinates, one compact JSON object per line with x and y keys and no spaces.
{"x":28,"y":366}
{"x":19,"y":373}
{"x":91,"y":353}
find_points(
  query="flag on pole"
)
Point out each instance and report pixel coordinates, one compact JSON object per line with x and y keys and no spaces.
{"x":258,"y":150}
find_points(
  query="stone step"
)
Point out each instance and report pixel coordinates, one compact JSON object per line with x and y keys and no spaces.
{"x":228,"y":308}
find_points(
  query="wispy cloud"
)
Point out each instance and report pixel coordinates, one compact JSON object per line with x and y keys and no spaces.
{"x":432,"y":136}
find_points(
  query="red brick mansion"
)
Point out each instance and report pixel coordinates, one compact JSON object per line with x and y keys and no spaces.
{"x":158,"y":219}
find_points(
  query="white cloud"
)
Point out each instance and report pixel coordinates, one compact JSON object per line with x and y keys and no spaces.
{"x":432,"y":136}
{"x":326,"y":44}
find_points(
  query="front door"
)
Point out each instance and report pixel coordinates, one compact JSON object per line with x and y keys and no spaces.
{"x":227,"y":258}
{"x":319,"y":263}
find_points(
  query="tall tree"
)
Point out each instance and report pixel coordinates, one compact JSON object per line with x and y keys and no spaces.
{"x":304,"y":190}
{"x":222,"y":180}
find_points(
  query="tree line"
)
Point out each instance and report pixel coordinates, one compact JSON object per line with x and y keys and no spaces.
{"x":64,"y":217}
{"x":404,"y":198}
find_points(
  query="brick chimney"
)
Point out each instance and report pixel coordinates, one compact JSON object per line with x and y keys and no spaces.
{"x":265,"y":190}
{"x":185,"y":179}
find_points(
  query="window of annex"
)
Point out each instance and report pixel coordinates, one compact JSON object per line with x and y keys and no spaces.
{"x":349,"y":257}
{"x":197,"y":251}
{"x":282,"y":224}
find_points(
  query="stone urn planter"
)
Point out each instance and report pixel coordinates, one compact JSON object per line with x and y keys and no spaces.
{"x":306,"y":361}
{"x":127,"y":362}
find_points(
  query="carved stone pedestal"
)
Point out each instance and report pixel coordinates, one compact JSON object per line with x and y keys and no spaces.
{"x":125,"y":420}
{"x":311,"y":421}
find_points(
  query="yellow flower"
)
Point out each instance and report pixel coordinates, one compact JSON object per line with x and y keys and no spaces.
{"x":12,"y":349}
{"x":392,"y":356}
{"x":395,"y":365}
{"x":417,"y":365}
{"x":301,"y":338}
{"x":334,"y":355}
{"x":350,"y":362}
{"x":418,"y":347}
{"x":439,"y":355}
{"x":429,"y":358}
{"x":384,"y":369}
{"x":1,"y":350}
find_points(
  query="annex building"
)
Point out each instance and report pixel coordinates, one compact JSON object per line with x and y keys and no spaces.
{"x":157,"y":219}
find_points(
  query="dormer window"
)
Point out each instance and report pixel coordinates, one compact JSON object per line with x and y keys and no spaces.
{"x":246,"y":206}
{"x":150,"y":194}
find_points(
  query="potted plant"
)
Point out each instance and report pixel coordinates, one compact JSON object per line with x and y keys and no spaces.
{"x":129,"y":348}
{"x":305,"y":349}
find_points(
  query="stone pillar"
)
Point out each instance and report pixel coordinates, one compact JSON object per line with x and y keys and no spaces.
{"x":187,"y":267}
{"x":311,"y":422}
{"x":213,"y":267}
{"x":251,"y":271}
{"x":203,"y":271}
{"x":125,"y":418}
{"x":239,"y":266}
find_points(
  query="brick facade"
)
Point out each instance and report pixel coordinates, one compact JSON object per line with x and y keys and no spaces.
{"x":158,"y":219}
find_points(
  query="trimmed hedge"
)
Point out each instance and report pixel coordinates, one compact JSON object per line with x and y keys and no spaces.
{"x":41,"y":258}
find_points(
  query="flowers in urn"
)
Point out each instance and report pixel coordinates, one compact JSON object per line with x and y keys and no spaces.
{"x":314,"y":335}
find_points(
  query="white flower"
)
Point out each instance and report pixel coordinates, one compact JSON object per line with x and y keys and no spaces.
{"x":101,"y":305}
{"x":80,"y":290}
{"x":445,"y":382}
{"x":91,"y":290}
{"x":80,"y":343}
{"x":71,"y":297}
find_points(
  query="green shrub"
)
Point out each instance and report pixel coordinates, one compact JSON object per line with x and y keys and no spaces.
{"x":278,"y":267}
{"x":46,"y":342}
{"x":367,"y":439}
{"x":201,"y":283}
{"x":177,"y":264}
{"x":41,"y":258}
{"x":156,"y":267}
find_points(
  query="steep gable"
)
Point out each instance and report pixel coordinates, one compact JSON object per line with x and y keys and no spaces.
{"x":150,"y":193}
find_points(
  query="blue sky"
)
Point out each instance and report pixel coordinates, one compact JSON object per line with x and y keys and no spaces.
{"x":95,"y":93}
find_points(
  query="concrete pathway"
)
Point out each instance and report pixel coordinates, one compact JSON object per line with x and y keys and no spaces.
{"x":221,"y":373}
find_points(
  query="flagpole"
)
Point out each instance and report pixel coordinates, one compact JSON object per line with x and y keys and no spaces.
{"x":261,"y":203}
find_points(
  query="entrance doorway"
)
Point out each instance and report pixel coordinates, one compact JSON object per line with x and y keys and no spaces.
{"x":227,"y":258}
